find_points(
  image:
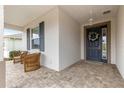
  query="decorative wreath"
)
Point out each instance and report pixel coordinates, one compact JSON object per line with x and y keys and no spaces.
{"x":93,"y":36}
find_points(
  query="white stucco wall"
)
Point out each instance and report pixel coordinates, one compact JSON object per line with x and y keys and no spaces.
{"x":24,"y":40}
{"x":120,"y":41}
{"x":113,"y":38}
{"x":69,"y":40}
{"x":2,"y":64}
{"x":50,"y":58}
{"x":62,"y":39}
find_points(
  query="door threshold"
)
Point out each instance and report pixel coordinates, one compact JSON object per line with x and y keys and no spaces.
{"x":95,"y":62}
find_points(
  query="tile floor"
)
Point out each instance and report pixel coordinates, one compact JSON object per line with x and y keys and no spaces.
{"x":79,"y":75}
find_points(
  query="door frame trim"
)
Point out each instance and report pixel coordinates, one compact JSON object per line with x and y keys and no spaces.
{"x":108,"y":23}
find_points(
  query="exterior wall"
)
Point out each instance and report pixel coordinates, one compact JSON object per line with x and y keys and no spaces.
{"x":120,"y":41}
{"x":113,"y":38}
{"x":24,"y":40}
{"x":2,"y":64}
{"x":50,"y":58}
{"x":69,"y":40}
{"x":62,"y":39}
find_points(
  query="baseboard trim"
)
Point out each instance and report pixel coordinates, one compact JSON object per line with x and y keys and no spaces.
{"x":119,"y":71}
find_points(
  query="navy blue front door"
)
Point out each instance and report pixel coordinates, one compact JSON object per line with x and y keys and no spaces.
{"x":93,"y":43}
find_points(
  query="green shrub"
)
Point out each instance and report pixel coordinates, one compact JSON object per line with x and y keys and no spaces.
{"x":14,"y":53}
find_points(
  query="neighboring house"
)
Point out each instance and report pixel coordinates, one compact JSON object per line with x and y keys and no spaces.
{"x":12,"y":42}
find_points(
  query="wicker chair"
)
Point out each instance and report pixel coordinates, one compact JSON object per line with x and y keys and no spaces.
{"x":17,"y":57}
{"x":32,"y":62}
{"x":23,"y":55}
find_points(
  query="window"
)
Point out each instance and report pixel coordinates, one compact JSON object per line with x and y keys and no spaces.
{"x":35,"y":38}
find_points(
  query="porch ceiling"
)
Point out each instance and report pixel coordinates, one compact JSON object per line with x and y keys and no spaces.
{"x":21,"y":15}
{"x":83,"y":12}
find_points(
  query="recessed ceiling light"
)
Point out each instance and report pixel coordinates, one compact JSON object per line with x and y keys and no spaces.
{"x":106,"y":12}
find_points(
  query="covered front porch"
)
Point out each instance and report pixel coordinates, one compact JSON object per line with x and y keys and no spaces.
{"x":59,"y":35}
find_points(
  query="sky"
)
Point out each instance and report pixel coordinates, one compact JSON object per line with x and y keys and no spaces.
{"x":11,"y":32}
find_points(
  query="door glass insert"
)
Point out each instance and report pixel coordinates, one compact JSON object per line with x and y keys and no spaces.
{"x":104,"y":43}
